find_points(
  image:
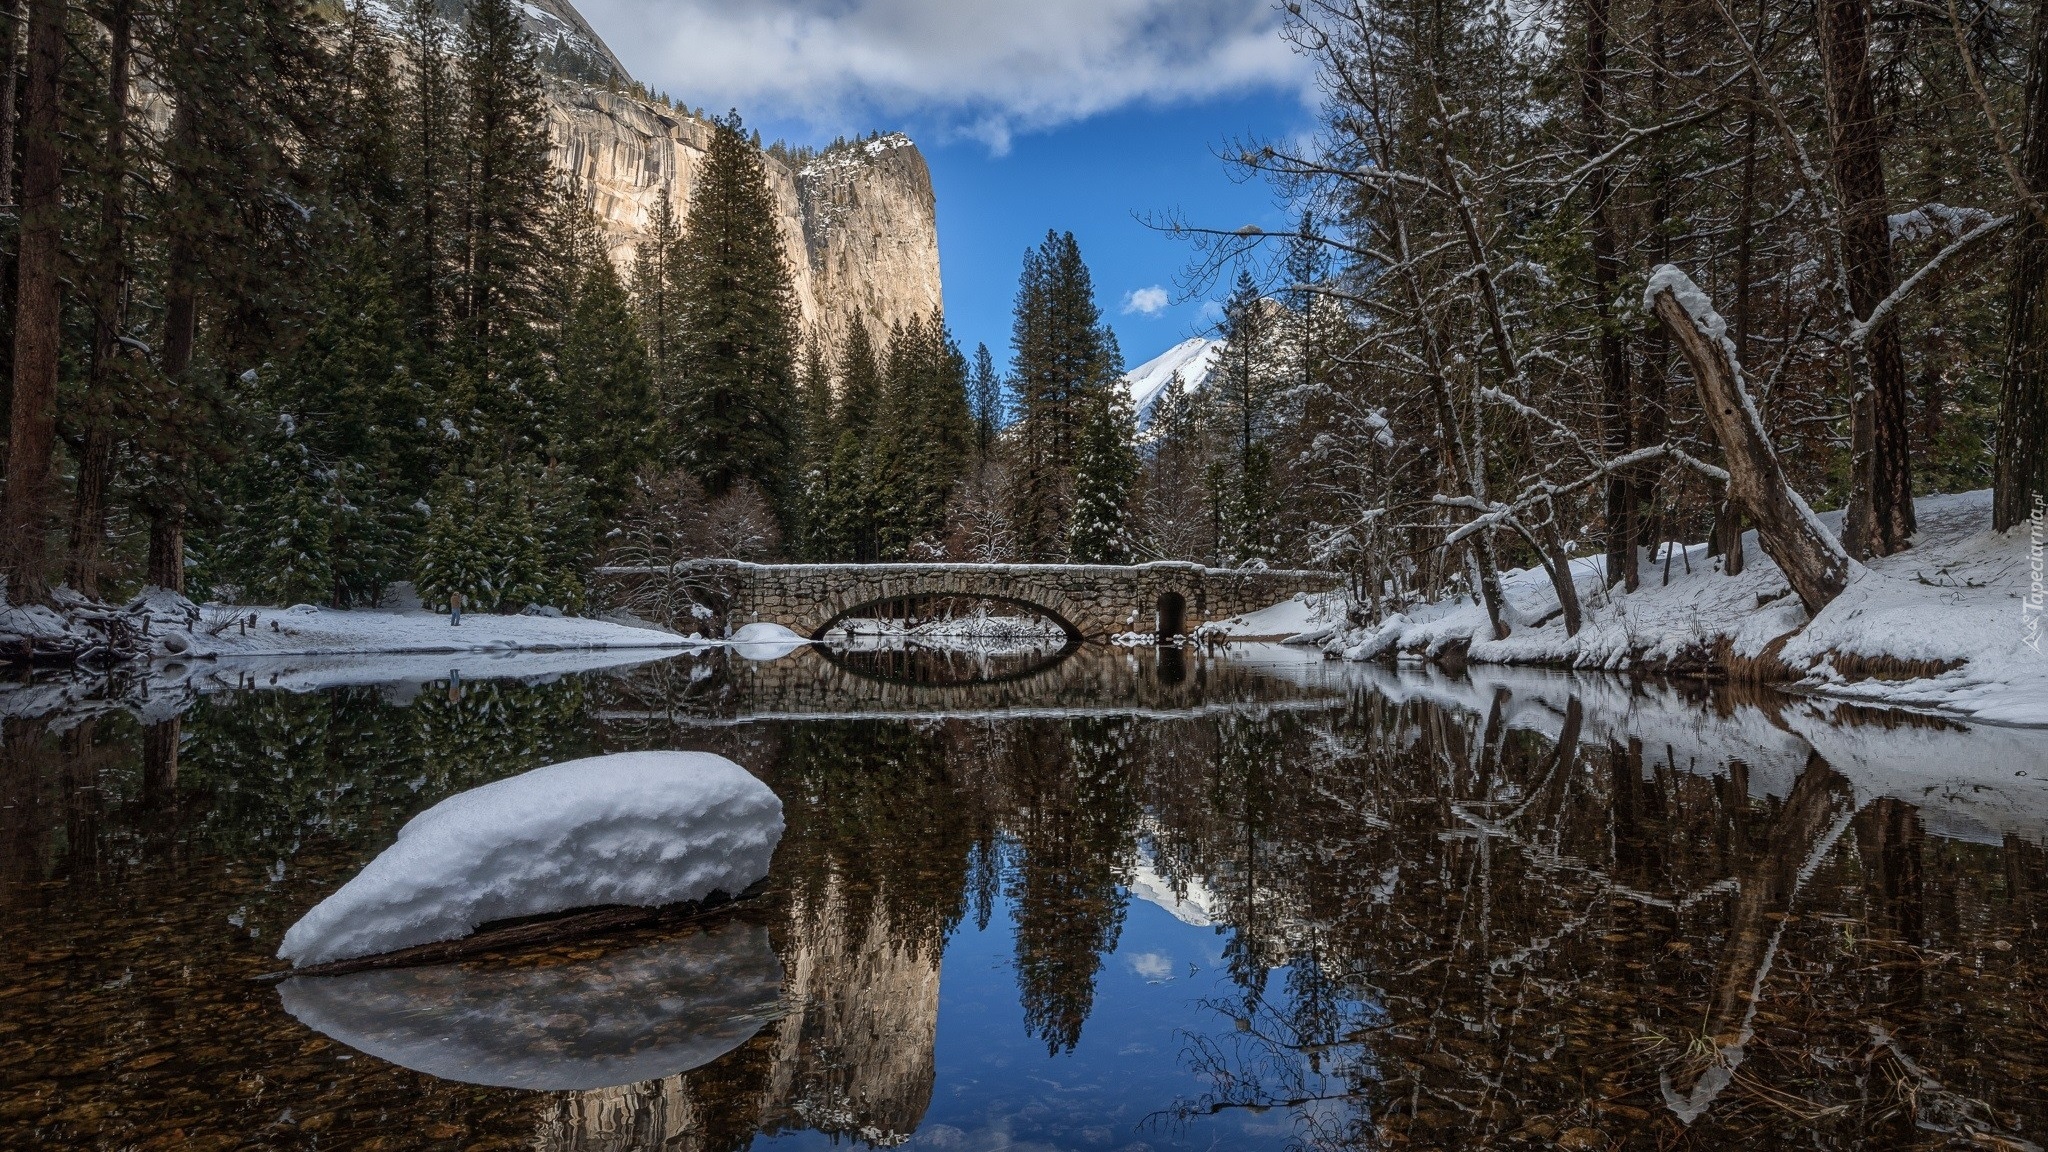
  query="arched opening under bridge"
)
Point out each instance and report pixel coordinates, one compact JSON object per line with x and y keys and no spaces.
{"x":906,"y":608}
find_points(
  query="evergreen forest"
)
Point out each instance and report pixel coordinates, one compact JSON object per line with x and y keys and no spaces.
{"x":300,"y":309}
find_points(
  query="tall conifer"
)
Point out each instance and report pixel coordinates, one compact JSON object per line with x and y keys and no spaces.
{"x":1106,"y":469}
{"x":1061,"y":352}
{"x":737,"y":337}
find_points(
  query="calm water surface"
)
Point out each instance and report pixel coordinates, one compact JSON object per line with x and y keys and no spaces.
{"x":1122,"y":900}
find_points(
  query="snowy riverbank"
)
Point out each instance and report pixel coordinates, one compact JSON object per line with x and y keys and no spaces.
{"x":1941,"y":627}
{"x":304,"y":630}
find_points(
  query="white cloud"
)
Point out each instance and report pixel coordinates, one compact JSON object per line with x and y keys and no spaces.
{"x":1146,"y":301}
{"x":981,"y":68}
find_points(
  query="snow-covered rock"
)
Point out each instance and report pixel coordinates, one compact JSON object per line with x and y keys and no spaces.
{"x":628,"y":1016}
{"x":635,"y":828}
{"x":764,"y":641}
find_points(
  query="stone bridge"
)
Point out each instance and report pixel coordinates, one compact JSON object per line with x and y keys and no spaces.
{"x":1086,"y":600}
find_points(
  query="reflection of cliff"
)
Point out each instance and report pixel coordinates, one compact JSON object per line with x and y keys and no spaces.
{"x":854,"y":1055}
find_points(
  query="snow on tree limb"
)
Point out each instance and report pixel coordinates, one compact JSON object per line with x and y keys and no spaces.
{"x":1812,"y":559}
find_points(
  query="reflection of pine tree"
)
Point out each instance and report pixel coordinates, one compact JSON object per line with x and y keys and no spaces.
{"x":1248,"y":756}
{"x":877,"y":806}
{"x":340,"y":770}
{"x":1078,"y":817}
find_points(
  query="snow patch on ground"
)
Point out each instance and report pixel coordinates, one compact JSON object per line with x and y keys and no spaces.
{"x":636,"y":828}
{"x":1303,"y":614}
{"x":301,"y":630}
{"x":1955,"y":598}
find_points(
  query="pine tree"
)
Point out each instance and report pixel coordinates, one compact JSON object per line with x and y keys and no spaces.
{"x":736,"y":339}
{"x":816,"y":438}
{"x":655,"y":302}
{"x":985,"y":401}
{"x":1060,"y":352}
{"x":924,"y":434}
{"x":602,"y":421}
{"x":1106,"y":469}
{"x":482,"y":540}
{"x":505,"y":197}
{"x":431,"y":127}
{"x":1241,"y":407}
{"x":853,"y":505}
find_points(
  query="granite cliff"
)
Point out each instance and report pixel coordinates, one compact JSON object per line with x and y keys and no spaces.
{"x":859,"y":221}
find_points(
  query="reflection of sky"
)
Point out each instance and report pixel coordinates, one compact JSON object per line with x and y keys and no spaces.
{"x":998,"y":1089}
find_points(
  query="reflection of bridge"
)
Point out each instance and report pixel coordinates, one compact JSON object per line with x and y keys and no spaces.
{"x":1084,"y":599}
{"x":1166,"y":683}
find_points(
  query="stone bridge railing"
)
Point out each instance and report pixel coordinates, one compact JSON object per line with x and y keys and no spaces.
{"x":1087,"y":600}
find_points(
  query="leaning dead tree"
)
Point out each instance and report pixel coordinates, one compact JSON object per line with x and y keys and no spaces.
{"x":1813,"y":561}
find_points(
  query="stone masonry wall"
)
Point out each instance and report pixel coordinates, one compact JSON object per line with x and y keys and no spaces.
{"x":1091,"y":599}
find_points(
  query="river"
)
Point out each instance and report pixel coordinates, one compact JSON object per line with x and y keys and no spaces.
{"x":1120,"y":899}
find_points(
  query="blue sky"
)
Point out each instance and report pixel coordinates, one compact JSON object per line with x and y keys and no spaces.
{"x":1094,"y":177}
{"x":1067,"y":114}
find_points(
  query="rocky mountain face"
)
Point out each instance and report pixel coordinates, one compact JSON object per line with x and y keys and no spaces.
{"x":859,"y":221}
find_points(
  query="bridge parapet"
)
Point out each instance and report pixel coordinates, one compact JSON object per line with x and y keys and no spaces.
{"x":1086,"y":599}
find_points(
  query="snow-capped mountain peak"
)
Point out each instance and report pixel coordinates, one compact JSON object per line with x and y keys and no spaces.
{"x":1194,"y":358}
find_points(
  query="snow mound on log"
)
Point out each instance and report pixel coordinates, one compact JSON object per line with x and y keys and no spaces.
{"x":637,"y":828}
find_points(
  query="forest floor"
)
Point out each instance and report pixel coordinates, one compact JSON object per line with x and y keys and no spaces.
{"x":1952,"y":625}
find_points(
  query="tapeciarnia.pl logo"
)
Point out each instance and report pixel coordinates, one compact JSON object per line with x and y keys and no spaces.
{"x":2037,"y":566}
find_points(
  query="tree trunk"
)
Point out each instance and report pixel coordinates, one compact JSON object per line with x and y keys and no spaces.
{"x":9,"y":70}
{"x":32,"y":419}
{"x":167,"y":546}
{"x":1617,"y":419}
{"x":110,"y":282}
{"x":1653,"y":382}
{"x":1879,"y":520}
{"x":181,"y":335}
{"x":2021,"y":485}
{"x":1813,"y":562}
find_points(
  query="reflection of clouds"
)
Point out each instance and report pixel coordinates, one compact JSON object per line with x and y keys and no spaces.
{"x":1152,"y":966}
{"x":996,"y":1138}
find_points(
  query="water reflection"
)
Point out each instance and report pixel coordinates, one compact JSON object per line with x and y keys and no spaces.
{"x":927,"y":666}
{"x":1164,"y":898}
{"x":621,"y":1017}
